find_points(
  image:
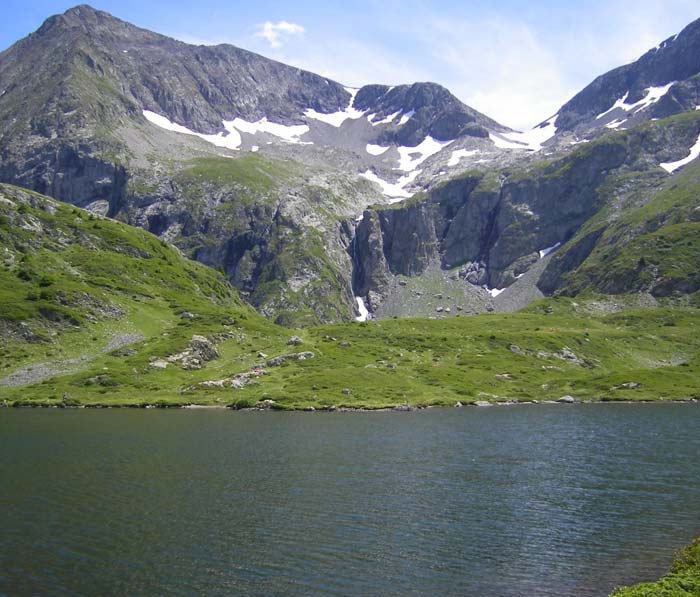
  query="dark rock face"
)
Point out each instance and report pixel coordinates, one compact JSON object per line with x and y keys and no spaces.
{"x":197,"y":86}
{"x":434,"y":111}
{"x":495,"y":227}
{"x":71,"y":126}
{"x":676,"y":59}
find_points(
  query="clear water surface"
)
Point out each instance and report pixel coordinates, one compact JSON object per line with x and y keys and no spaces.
{"x":530,"y":500}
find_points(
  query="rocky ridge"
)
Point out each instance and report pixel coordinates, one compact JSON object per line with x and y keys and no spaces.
{"x":308,"y":194}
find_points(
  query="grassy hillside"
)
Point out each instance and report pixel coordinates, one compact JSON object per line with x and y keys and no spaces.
{"x":648,"y":230}
{"x":95,"y":312}
{"x":682,"y":579}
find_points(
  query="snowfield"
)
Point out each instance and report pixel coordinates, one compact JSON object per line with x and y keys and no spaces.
{"x":376,"y":149}
{"x":336,"y":119}
{"x":671,"y":167}
{"x":412,"y":157}
{"x":234,"y":128}
{"x":532,"y":140}
{"x":654,"y":94}
{"x":459,"y":154}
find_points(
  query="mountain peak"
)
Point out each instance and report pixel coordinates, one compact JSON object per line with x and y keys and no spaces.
{"x":81,"y":10}
{"x":81,"y":16}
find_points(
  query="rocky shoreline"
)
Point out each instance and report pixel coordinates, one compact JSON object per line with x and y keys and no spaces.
{"x":339,"y":409}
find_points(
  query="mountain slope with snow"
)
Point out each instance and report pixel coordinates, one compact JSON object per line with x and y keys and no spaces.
{"x":266,"y":171}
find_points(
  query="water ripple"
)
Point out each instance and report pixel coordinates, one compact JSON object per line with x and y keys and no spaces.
{"x":543,"y":501}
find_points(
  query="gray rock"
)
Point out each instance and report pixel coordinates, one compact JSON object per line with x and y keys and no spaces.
{"x":280,"y":360}
{"x":202,"y":348}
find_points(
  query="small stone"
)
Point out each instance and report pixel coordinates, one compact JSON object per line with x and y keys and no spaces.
{"x":294,"y":341}
{"x":567,"y":399}
{"x":632,"y":385}
{"x":482,"y":403}
{"x":346,"y":391}
{"x":261,"y":355}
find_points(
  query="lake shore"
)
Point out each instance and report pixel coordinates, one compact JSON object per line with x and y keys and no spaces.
{"x":274,"y":407}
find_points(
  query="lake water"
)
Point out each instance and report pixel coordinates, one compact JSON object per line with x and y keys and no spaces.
{"x":530,"y":500}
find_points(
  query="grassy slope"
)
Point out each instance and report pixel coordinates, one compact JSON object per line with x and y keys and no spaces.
{"x":682,"y":580}
{"x":251,"y":202}
{"x":78,"y":282}
{"x":652,"y":242}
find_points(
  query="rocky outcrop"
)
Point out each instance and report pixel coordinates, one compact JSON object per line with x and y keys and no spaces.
{"x":491,"y":227}
{"x":430,"y":109}
{"x":676,"y":60}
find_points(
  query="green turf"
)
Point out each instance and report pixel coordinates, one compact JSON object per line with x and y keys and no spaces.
{"x":682,"y":579}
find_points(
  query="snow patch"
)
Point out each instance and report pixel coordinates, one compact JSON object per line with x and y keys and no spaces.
{"x":232,"y":138}
{"x":230,"y":141}
{"x":548,"y":250}
{"x":412,"y":157}
{"x":255,"y":148}
{"x":395,"y":191}
{"x":615,"y":123}
{"x":495,"y":291}
{"x":406,"y":117}
{"x":503,"y":144}
{"x":532,"y":139}
{"x":459,"y":154}
{"x":376,"y":149}
{"x":338,"y":118}
{"x":671,"y":167}
{"x":654,"y":94}
{"x":362,"y":308}
{"x":290,"y":133}
{"x":388,"y":120}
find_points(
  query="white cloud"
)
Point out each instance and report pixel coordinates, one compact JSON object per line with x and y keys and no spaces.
{"x":275,"y":32}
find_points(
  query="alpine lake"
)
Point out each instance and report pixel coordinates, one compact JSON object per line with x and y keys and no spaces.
{"x":501,"y":501}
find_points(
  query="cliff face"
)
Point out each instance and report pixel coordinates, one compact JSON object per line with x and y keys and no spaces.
{"x":142,"y":128}
{"x":490,"y":229}
{"x":674,"y":63}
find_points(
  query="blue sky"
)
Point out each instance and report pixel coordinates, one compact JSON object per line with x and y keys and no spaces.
{"x":515,"y":60}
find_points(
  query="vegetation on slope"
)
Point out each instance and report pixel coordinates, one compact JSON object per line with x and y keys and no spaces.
{"x":95,"y":312}
{"x":645,"y":234}
{"x":682,"y":579}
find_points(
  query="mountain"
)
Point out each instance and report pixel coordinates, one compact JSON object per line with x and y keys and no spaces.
{"x":96,"y":313}
{"x":663,"y":82}
{"x":607,"y":204}
{"x":134,"y":125}
{"x":318,"y":201}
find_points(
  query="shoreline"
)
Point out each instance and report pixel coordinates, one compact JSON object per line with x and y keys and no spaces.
{"x":338,"y":409}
